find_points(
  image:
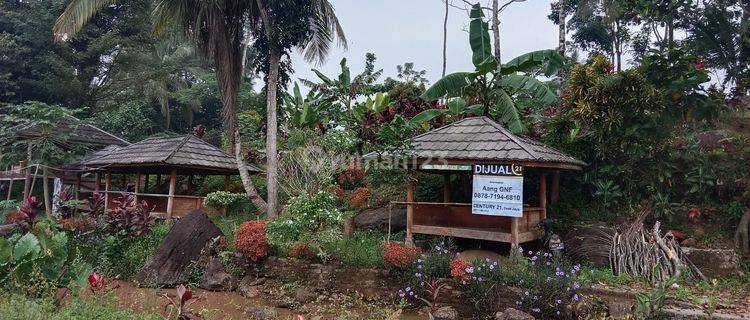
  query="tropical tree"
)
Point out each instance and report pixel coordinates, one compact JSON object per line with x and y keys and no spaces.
{"x":493,"y":85}
{"x":221,"y":30}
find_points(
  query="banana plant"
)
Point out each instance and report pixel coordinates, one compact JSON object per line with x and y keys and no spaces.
{"x":456,"y":109}
{"x":304,"y":112}
{"x":493,"y":85}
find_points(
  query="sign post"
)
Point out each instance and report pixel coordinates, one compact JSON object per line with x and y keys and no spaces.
{"x":497,"y":190}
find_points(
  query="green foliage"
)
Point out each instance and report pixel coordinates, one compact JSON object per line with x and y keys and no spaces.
{"x":649,"y":303}
{"x":7,"y":206}
{"x":18,"y":307}
{"x":361,"y":249}
{"x":37,"y":263}
{"x":130,"y":120}
{"x":219,"y":199}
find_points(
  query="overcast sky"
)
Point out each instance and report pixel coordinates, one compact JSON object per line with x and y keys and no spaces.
{"x":399,"y":31}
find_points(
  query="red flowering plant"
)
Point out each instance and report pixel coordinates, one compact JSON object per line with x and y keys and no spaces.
{"x":250,"y":240}
{"x":97,"y":283}
{"x":180,"y":302}
{"x":461,"y":270}
{"x":398,"y":255}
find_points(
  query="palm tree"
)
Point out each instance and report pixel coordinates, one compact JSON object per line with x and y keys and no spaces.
{"x":221,"y":31}
{"x":493,"y":85}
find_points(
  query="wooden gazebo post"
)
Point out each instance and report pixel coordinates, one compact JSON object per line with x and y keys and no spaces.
{"x":555,"y":196}
{"x":107,"y":181}
{"x":226,"y":183}
{"x":543,"y":194}
{"x":10,"y":188}
{"x":172,"y":185}
{"x":409,"y":241}
{"x":98,"y":181}
{"x":137,"y":190}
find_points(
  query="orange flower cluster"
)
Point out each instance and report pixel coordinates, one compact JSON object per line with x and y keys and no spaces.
{"x":458,"y":269}
{"x":301,"y":250}
{"x":360,"y":196}
{"x":250,"y":240}
{"x":398,"y":255}
{"x":351,"y":177}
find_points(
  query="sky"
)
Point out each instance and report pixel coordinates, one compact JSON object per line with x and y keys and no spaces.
{"x":412,"y":31}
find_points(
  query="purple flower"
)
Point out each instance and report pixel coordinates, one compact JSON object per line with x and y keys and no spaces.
{"x":401,"y":293}
{"x":518,"y":303}
{"x":470,"y":270}
{"x":526,"y":293}
{"x":535,"y":310}
{"x":576,"y":286}
{"x":575,"y":297}
{"x":418,"y":274}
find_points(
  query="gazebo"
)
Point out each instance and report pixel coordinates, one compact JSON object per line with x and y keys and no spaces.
{"x":496,"y":162}
{"x":185,"y":155}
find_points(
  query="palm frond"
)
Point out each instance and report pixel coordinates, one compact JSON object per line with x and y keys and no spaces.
{"x":75,"y":16}
{"x":324,"y":27}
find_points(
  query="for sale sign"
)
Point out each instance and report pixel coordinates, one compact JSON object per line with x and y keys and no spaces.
{"x":498,"y":190}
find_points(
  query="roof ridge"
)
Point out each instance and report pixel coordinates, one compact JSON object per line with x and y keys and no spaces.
{"x":182,"y":143}
{"x":511,"y":136}
{"x":101,"y":130}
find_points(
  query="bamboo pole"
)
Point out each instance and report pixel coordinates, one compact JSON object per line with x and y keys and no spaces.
{"x":45,"y":189}
{"x":172,"y":185}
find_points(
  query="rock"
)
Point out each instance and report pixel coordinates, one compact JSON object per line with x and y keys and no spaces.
{"x":714,"y":263}
{"x":216,"y":278}
{"x":377,"y":218}
{"x":249,"y":286}
{"x":589,"y":243}
{"x":482,"y":255}
{"x":445,"y":313}
{"x":304,"y":295}
{"x":181,"y":247}
{"x":619,"y":309}
{"x":262,"y":313}
{"x":513,"y":314}
{"x":689,"y":242}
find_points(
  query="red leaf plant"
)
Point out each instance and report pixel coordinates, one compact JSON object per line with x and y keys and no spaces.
{"x":179,"y":301}
{"x":250,"y":240}
{"x":398,"y":255}
{"x":97,"y":283}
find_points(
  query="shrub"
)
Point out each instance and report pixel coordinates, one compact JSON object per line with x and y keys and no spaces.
{"x":315,"y":212}
{"x":32,"y":262}
{"x":553,"y":291}
{"x":250,"y":240}
{"x":8,"y":206}
{"x":461,"y":270}
{"x":18,"y":307}
{"x":351,"y":177}
{"x":359,"y":197}
{"x":398,"y":255}
{"x":222,"y":199}
{"x":129,"y":217}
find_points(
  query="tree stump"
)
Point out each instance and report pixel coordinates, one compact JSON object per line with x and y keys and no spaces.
{"x":181,"y":248}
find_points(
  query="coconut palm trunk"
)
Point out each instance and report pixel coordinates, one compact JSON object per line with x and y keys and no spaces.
{"x":271,"y":118}
{"x":561,"y":26}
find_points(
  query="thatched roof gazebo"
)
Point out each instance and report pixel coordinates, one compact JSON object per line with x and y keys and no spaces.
{"x":176,"y":155}
{"x":493,"y":161}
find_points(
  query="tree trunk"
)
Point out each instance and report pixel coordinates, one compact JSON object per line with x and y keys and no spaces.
{"x":742,"y":236}
{"x":744,"y":39}
{"x":45,"y":187}
{"x":445,"y":38}
{"x":561,"y":26}
{"x":250,"y":190}
{"x":496,"y":29}
{"x":27,"y":173}
{"x":271,"y":123}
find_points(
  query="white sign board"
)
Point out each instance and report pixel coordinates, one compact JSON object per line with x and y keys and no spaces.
{"x":497,"y":190}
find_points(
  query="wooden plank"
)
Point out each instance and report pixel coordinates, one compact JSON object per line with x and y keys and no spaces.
{"x":172,"y":185}
{"x":98,"y":182}
{"x":514,"y":233}
{"x":226,"y":182}
{"x":463,"y":233}
{"x":409,"y":212}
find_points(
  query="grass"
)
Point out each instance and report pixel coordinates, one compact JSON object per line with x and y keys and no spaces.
{"x":362,"y":249}
{"x":18,"y":307}
{"x":590,"y":275}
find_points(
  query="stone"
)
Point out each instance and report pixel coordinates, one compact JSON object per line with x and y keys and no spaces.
{"x":304,"y":295}
{"x":445,"y":313}
{"x":249,"y":286}
{"x":377,"y":218}
{"x":482,"y":255}
{"x":513,"y":314}
{"x":714,"y":263}
{"x":216,"y":278}
{"x":619,"y":309}
{"x":262,"y":313}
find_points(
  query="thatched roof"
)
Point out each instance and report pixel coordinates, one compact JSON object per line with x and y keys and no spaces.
{"x":480,"y":139}
{"x":159,"y":154}
{"x":71,"y":130}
